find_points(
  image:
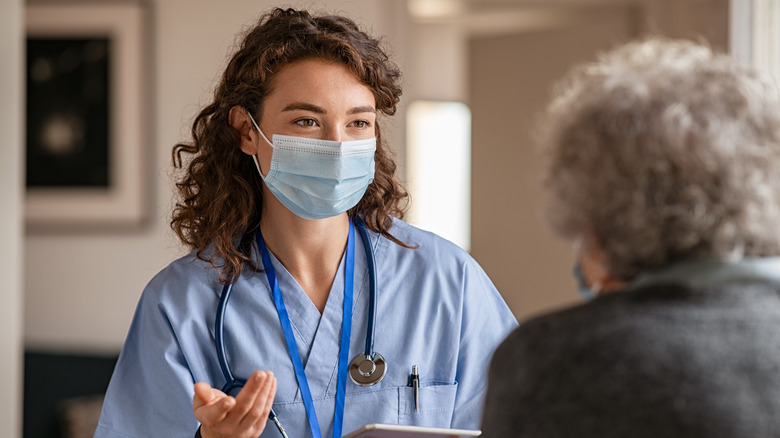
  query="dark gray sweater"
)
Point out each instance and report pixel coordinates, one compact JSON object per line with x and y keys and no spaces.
{"x":664,"y":360}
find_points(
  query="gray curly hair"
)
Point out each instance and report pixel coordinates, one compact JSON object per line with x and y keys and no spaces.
{"x":664,"y":151}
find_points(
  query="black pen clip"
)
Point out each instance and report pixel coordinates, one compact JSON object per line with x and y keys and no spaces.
{"x":414,"y":381}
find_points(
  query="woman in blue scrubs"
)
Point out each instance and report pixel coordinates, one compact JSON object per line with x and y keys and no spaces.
{"x":286,"y":166}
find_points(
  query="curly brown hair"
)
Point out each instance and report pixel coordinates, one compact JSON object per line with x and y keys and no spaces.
{"x":220,"y":195}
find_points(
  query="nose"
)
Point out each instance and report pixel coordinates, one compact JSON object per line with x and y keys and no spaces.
{"x":335,"y":133}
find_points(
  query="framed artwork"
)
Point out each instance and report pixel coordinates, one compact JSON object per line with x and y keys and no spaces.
{"x":85,"y":115}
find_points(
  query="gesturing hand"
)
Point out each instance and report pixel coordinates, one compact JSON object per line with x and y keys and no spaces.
{"x":244,"y":416}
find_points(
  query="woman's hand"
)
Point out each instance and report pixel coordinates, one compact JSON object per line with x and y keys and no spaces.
{"x":244,"y":416}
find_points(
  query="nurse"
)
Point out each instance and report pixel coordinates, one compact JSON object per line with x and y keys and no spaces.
{"x":288,"y":194}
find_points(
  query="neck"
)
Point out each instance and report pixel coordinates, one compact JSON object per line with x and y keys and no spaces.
{"x":595,"y":267}
{"x":310,"y":250}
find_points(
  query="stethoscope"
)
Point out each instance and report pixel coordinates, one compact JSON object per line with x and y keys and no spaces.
{"x":365,"y":370}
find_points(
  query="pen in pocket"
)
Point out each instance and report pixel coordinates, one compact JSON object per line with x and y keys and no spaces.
{"x":415,"y":382}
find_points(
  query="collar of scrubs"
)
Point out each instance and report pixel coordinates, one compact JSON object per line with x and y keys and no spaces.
{"x":292,"y":346}
{"x":704,"y":273}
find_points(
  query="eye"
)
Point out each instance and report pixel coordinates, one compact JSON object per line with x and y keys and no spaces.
{"x":306,"y":122}
{"x":360,"y":124}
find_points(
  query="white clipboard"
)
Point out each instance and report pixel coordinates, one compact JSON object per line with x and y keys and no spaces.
{"x":376,"y":430}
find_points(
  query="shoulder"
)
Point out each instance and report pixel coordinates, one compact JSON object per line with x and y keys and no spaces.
{"x":186,"y":267}
{"x":602,"y":310}
{"x":550,"y":334}
{"x":438,"y":270}
{"x":429,"y":256}
{"x":610,"y":320}
{"x":426,"y":245}
{"x":181,"y":278}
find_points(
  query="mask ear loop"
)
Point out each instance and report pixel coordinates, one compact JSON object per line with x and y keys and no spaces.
{"x":254,"y":157}
{"x":259,"y":130}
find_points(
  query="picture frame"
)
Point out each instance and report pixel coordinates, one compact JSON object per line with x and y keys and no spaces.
{"x":86,"y":130}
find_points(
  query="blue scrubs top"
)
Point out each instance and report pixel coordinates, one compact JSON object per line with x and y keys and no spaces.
{"x":436,"y":308}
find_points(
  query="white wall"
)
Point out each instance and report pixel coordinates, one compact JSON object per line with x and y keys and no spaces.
{"x":11,"y":125}
{"x":82,"y":288}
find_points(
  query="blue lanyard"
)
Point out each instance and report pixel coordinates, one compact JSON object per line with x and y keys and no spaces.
{"x":292,"y":346}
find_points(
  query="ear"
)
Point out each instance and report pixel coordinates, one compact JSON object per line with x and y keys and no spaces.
{"x":238,"y":118}
{"x":595,"y":265}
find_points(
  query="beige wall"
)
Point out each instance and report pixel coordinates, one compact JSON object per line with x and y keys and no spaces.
{"x":11,"y":125}
{"x":694,"y":19}
{"x":510,"y":76}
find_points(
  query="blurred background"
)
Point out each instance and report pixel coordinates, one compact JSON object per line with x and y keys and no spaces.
{"x":476,"y":75}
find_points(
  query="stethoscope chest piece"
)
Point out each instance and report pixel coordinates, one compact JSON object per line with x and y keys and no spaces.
{"x":367,"y":370}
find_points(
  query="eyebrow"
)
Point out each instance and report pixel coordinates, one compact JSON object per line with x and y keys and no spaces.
{"x":362,"y":109}
{"x":320,"y":110}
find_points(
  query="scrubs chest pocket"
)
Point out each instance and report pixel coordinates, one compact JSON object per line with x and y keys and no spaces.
{"x":395,"y":405}
{"x":436,"y":404}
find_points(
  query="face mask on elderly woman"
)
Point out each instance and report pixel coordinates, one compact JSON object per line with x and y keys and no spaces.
{"x":582,"y":284}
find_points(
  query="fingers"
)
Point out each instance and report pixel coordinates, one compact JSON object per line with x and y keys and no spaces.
{"x":210,"y":405}
{"x":244,"y":415}
{"x":203,"y":394}
{"x":252,"y":399}
{"x":258,"y":414}
{"x":270,"y":396}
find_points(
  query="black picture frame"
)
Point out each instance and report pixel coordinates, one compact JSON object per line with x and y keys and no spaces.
{"x":85,"y":115}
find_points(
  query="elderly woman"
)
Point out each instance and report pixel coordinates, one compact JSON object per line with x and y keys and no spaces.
{"x":665,"y":175}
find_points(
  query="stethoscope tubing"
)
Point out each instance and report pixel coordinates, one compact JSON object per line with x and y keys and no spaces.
{"x":219,"y":323}
{"x":218,"y":327}
{"x":371,"y":287}
{"x":231,"y":381}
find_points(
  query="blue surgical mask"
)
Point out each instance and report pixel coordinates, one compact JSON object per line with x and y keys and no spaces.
{"x":582,"y":284}
{"x":316,"y":179}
